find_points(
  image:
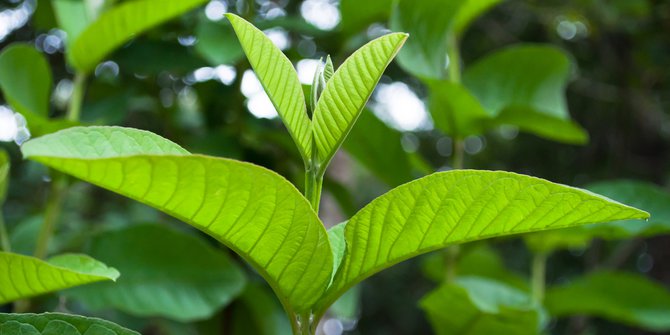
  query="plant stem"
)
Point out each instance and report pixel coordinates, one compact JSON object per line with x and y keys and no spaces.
{"x":457,"y":162}
{"x":74,"y":109}
{"x":454,"y":54}
{"x":313,"y":187}
{"x":538,"y":276}
{"x":4,"y":237}
{"x":51,"y":215}
{"x":451,"y":256}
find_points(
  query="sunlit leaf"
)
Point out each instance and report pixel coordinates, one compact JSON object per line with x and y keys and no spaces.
{"x":23,"y":276}
{"x":431,"y":23}
{"x":250,"y":209}
{"x":617,"y":296}
{"x":524,"y":86}
{"x":478,"y":306}
{"x":460,"y":206}
{"x":643,"y":195}
{"x":188,"y":279}
{"x":58,"y":324}
{"x":280,"y":81}
{"x":348,"y":91}
{"x":364,"y":143}
{"x":118,"y":25}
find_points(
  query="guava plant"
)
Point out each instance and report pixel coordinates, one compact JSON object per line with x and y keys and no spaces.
{"x":276,"y":228}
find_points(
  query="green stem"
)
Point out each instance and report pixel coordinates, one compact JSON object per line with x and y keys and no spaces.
{"x":457,"y":162}
{"x":451,"y":255}
{"x":4,"y":237}
{"x":74,"y":109}
{"x":313,"y":187}
{"x":453,"y":51}
{"x":51,"y":215}
{"x":538,"y":276}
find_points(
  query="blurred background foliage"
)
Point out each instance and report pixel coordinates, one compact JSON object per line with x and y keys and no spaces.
{"x":188,"y":80}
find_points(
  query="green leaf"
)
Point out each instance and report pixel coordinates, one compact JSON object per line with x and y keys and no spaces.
{"x":337,"y":244}
{"x":58,"y":324}
{"x":24,"y":276}
{"x":252,"y":210}
{"x":4,"y":177}
{"x":348,"y":91}
{"x":644,"y":195}
{"x":118,"y":25}
{"x":177,"y":275}
{"x":621,"y":297}
{"x":454,"y":207}
{"x":432,"y":24}
{"x":364,"y":143}
{"x":25,"y":80}
{"x":217,"y":42}
{"x":478,"y":306}
{"x":280,"y":81}
{"x":524,"y":86}
{"x":455,"y":110}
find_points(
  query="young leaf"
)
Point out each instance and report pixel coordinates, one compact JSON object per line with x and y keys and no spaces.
{"x":252,"y":210}
{"x":280,"y":81}
{"x":73,"y":17}
{"x":25,"y":79}
{"x":190,"y":280}
{"x":524,"y":86}
{"x":478,"y":306}
{"x":347,"y":92}
{"x":460,"y":206}
{"x":432,"y":23}
{"x":621,"y":297}
{"x":24,"y":276}
{"x":119,"y":24}
{"x":57,"y":323}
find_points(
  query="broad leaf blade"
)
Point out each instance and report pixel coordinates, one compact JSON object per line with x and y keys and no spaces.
{"x":460,"y":206}
{"x":621,"y":297}
{"x":57,"y":323}
{"x":455,"y":110}
{"x":72,"y":16}
{"x":24,"y":276}
{"x":348,"y":91}
{"x":217,"y":42}
{"x":25,"y":79}
{"x":250,"y":209}
{"x":524,"y":85}
{"x":478,"y":306}
{"x":189,"y":280}
{"x":280,"y":81}
{"x":118,"y":25}
{"x":357,"y":15}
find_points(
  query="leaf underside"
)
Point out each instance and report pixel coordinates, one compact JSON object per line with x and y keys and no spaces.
{"x":23,"y":276}
{"x":280,"y":81}
{"x":252,"y":210}
{"x":58,"y":324}
{"x":460,"y":206}
{"x":348,"y":91}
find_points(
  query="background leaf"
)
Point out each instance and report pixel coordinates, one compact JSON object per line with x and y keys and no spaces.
{"x":519,"y":83}
{"x":460,"y":206}
{"x":165,"y":273}
{"x":357,"y":15}
{"x":57,"y":323}
{"x":348,"y":91}
{"x":478,"y":306}
{"x":217,"y":43}
{"x":117,"y":25}
{"x":280,"y":81}
{"x":617,"y":296}
{"x":25,"y":79}
{"x":24,"y":276}
{"x":250,"y":209}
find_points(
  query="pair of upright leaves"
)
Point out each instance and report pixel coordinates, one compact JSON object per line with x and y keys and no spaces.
{"x":521,"y":85}
{"x":342,"y":100}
